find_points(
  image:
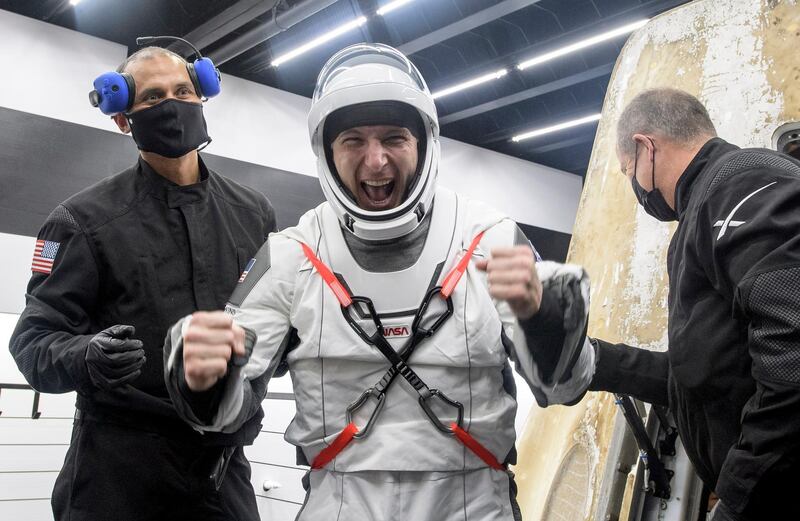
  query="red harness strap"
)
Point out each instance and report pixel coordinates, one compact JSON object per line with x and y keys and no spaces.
{"x":473,"y":445}
{"x":327,"y":275}
{"x":452,"y":278}
{"x":328,"y":453}
{"x":343,"y":296}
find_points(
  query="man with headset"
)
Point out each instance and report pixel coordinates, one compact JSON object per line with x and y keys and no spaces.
{"x":393,"y":304}
{"x":115,"y":265}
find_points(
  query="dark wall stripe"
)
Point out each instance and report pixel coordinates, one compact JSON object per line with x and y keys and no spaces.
{"x":550,"y":244}
{"x":43,"y":161}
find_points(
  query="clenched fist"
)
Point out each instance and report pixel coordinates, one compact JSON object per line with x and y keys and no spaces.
{"x":512,"y":277}
{"x":209,"y":342}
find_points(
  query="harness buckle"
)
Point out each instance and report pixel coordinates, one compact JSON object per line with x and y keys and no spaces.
{"x":356,"y":405}
{"x":458,"y":406}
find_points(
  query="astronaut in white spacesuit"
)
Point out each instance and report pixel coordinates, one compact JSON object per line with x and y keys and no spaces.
{"x":393,"y":305}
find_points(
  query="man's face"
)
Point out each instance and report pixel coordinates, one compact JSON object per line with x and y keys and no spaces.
{"x":158,"y":78}
{"x":376,"y":163}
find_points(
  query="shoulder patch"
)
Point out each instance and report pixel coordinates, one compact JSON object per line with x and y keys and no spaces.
{"x":44,"y":254}
{"x":255,"y":269}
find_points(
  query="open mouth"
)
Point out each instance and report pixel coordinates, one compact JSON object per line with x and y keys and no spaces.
{"x":378,"y":192}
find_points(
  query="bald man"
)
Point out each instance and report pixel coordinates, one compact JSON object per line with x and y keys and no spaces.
{"x":115,"y":265}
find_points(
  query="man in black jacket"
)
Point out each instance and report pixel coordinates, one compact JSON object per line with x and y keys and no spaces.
{"x":114,"y":266}
{"x":731,"y":376}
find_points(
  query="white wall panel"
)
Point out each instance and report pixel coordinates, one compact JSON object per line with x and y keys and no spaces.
{"x":26,"y":510}
{"x":28,"y":485}
{"x":289,"y":478}
{"x":270,"y":447}
{"x":48,"y":70}
{"x":277,"y":414}
{"x":262,"y":125}
{"x":16,"y":253}
{"x":527,"y":192}
{"x":44,"y":431}
{"x":29,"y":459}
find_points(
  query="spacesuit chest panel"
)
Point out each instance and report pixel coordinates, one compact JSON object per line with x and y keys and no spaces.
{"x":397,"y":295}
{"x":464,"y":359}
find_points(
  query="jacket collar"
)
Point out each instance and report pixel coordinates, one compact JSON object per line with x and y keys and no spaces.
{"x":174,"y":195}
{"x":708,"y":154}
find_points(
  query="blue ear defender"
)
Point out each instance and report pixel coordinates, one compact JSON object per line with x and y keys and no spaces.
{"x":114,"y":92}
{"x":205,"y":76}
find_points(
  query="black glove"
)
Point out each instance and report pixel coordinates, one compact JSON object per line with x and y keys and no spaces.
{"x":113,"y":358}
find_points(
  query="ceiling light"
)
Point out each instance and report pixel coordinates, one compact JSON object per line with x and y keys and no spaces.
{"x":358,"y":22}
{"x":74,"y":2}
{"x":625,"y":29}
{"x":391,"y":6}
{"x":471,"y":83}
{"x":554,"y":128}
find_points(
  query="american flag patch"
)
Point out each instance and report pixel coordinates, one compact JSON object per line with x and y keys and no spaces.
{"x":43,"y":256}
{"x":247,"y":270}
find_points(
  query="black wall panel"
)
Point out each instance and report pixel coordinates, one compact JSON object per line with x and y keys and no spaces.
{"x":43,"y":161}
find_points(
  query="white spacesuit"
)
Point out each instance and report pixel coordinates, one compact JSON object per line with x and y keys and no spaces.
{"x":429,"y":440}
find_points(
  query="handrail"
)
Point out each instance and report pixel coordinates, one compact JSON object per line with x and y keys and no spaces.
{"x":35,"y":412}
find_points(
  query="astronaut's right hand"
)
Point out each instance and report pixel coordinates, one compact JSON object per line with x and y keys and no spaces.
{"x":209,"y":342}
{"x":113,"y":357}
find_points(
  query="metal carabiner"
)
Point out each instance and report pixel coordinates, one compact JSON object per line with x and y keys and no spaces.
{"x":356,"y":405}
{"x":416,"y":325}
{"x":435,"y":393}
{"x":371,"y":314}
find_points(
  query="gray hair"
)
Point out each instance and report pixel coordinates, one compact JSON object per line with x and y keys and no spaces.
{"x":147,"y":53}
{"x":671,"y":113}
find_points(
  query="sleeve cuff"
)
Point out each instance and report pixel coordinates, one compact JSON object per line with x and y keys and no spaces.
{"x":204,"y":404}
{"x":547,"y":326}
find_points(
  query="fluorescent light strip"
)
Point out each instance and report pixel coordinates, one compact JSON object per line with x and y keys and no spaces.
{"x":358,"y":22}
{"x":471,"y":83}
{"x":554,"y":128}
{"x":581,"y":44}
{"x":391,"y":6}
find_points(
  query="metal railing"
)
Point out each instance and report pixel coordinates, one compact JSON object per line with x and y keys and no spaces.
{"x":35,"y":412}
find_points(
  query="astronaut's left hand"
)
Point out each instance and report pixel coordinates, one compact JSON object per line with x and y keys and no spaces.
{"x":512,"y":277}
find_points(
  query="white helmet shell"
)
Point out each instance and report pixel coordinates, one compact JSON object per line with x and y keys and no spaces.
{"x":364,"y":73}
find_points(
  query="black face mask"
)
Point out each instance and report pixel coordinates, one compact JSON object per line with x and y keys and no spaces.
{"x":653,"y":202}
{"x":173,"y":128}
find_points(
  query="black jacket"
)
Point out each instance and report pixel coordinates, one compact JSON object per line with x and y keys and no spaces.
{"x":731,"y":375}
{"x":134,"y":249}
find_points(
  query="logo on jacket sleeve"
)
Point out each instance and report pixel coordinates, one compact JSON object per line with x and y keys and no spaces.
{"x":43,"y":256}
{"x":247,"y":269}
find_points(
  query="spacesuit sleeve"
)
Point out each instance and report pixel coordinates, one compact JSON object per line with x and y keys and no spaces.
{"x":51,"y":337}
{"x":755,"y":257}
{"x":260,"y":304}
{"x":550,"y":350}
